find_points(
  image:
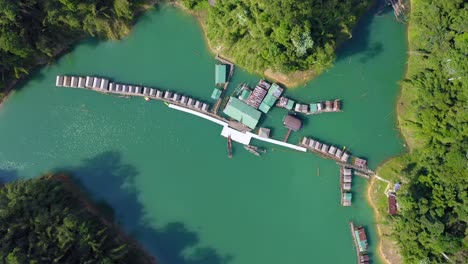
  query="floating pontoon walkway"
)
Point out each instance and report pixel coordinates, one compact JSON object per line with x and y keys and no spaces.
{"x":202,"y":115}
{"x":238,"y":136}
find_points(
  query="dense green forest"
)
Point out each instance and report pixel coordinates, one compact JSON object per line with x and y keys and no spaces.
{"x":36,"y":31}
{"x":283,"y":35}
{"x":41,"y":221}
{"x":434,"y":118}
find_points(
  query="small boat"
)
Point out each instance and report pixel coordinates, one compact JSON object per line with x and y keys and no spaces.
{"x":147,"y":99}
{"x":166,"y":103}
{"x":262,"y":150}
{"x":252,"y":149}
{"x":229,"y":147}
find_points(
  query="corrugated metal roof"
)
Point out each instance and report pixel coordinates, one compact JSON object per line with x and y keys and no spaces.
{"x":242,"y":112}
{"x":290,"y":104}
{"x":245,"y":94}
{"x":220,"y":73}
{"x":348,"y":196}
{"x":313,"y":107}
{"x":264,"y":107}
{"x":269,"y":100}
{"x":216,"y":94}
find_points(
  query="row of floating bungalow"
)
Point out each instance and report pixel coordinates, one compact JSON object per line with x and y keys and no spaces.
{"x":360,"y":243}
{"x":310,"y":109}
{"x":249,"y":104}
{"x":345,"y":182}
{"x":103,"y":85}
{"x":324,"y":149}
{"x":335,"y":153}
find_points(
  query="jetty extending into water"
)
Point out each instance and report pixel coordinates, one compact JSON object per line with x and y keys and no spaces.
{"x":104,"y":85}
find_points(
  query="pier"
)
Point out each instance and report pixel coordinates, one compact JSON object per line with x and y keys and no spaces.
{"x":364,"y":172}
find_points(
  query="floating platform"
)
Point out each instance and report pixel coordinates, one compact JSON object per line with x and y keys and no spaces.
{"x":106,"y":86}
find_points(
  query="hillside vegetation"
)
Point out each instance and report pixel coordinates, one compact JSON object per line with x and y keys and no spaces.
{"x":36,"y":31}
{"x":283,"y":35}
{"x":41,"y":221}
{"x":434,"y":119}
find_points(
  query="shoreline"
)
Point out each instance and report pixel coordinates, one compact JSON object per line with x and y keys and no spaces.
{"x":391,"y":249}
{"x":291,"y":80}
{"x":87,"y":203}
{"x":11,"y":86}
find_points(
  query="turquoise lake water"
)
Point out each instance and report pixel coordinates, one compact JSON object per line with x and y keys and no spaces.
{"x":166,"y":175}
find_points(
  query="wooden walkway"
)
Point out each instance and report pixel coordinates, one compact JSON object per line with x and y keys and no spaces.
{"x":363,"y":172}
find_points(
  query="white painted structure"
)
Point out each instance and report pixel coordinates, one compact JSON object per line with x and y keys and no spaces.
{"x":241,"y":137}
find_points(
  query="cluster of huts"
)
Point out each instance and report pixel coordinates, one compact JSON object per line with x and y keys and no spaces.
{"x":324,"y":149}
{"x":346,"y":180}
{"x":248,"y":105}
{"x":262,"y":97}
{"x":82,"y":82}
{"x":104,"y":85}
{"x":310,"y":109}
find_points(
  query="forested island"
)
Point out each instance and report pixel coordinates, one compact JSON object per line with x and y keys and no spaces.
{"x":433,"y":117}
{"x":48,"y":220}
{"x":279,"y":37}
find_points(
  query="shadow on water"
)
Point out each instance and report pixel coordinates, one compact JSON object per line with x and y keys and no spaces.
{"x":360,"y":41}
{"x":8,"y":176}
{"x":109,"y":183}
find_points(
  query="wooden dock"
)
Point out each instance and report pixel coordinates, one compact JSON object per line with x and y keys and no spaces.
{"x":286,"y":137}
{"x":105,"y":86}
{"x":361,"y":171}
{"x":231,"y":73}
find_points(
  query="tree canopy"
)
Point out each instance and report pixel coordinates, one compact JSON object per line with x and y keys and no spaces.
{"x":41,"y":221}
{"x":283,"y":35}
{"x":35,"y":31}
{"x":434,"y":210}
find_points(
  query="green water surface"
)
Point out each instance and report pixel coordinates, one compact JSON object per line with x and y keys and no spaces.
{"x":165,"y":175}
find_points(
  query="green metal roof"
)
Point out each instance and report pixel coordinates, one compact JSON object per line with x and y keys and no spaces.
{"x":216,"y":94}
{"x":313,"y":107}
{"x":290,"y":104}
{"x":270,"y":100}
{"x":220,"y":73}
{"x":242,"y":112}
{"x":361,"y":243}
{"x":275,"y":90}
{"x":245,"y":94}
{"x":348,"y":196}
{"x":264,"y":107}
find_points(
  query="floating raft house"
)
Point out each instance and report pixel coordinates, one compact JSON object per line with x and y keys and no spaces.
{"x":361,"y":239}
{"x":286,"y":103}
{"x":347,"y":197}
{"x":220,"y":74}
{"x":242,"y":112}
{"x":292,"y":122}
{"x":270,"y":99}
{"x":216,"y":94}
